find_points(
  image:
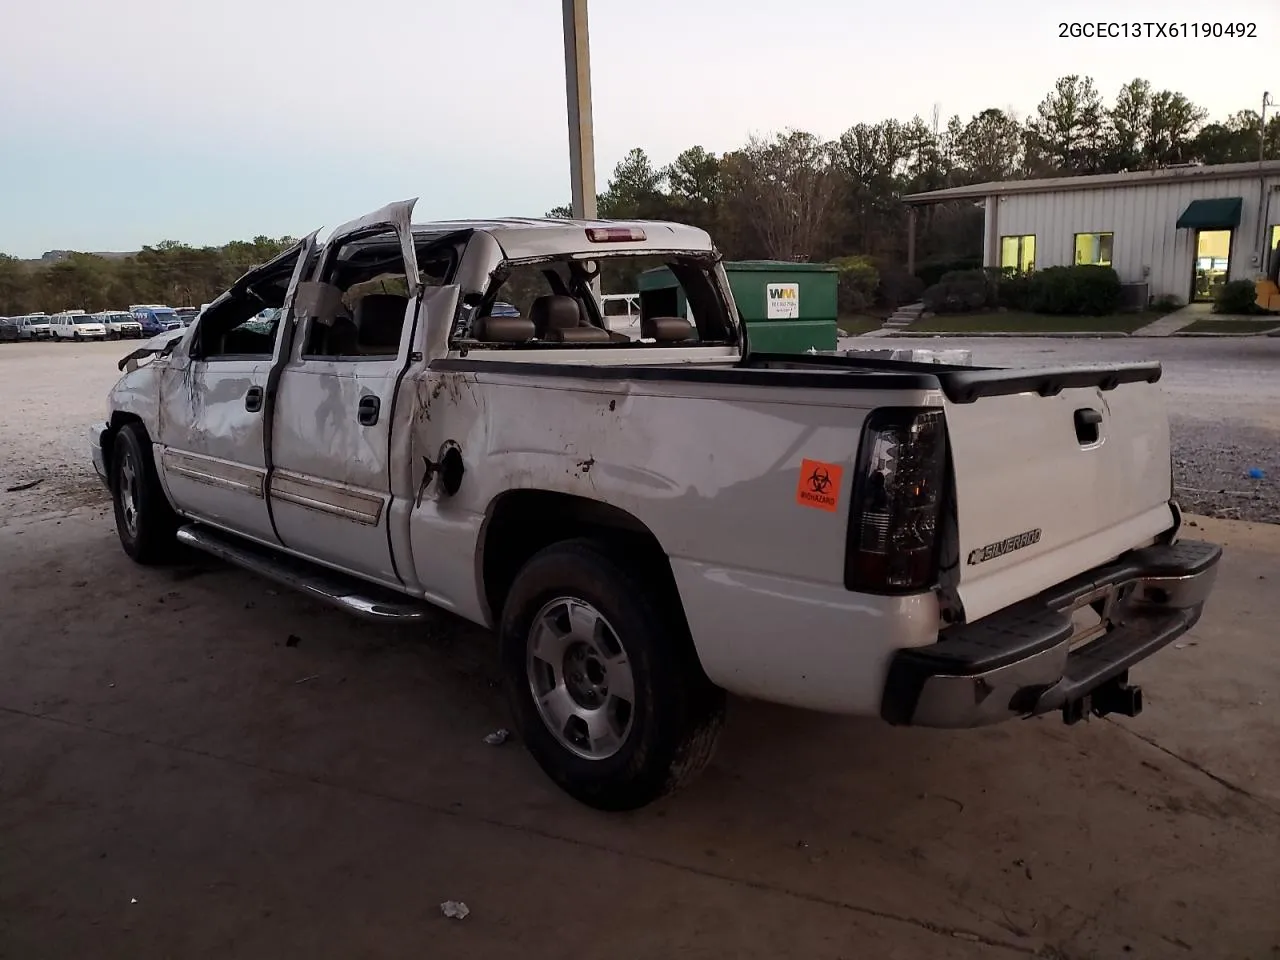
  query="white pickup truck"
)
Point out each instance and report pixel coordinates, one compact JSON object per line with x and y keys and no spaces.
{"x":650,"y":522}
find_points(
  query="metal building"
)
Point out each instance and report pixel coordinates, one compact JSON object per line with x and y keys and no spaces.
{"x":1180,"y":231}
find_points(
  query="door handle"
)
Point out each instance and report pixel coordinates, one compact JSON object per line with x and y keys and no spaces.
{"x":253,"y":399}
{"x":369,"y":407}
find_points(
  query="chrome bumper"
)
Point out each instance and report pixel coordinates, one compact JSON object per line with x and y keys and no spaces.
{"x":1028,"y":659}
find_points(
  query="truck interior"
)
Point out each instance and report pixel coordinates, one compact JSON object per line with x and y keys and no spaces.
{"x":227,"y":329}
{"x":362,"y":298}
{"x":557,"y":305}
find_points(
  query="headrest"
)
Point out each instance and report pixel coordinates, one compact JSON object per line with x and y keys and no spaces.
{"x":579,"y":335}
{"x":665,"y":329}
{"x":379,"y":319}
{"x":553,"y":313}
{"x":503,"y":329}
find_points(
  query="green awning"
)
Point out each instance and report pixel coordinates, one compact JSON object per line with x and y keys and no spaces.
{"x":1221,"y":213}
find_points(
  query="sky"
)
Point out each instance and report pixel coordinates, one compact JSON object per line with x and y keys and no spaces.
{"x":135,"y":121}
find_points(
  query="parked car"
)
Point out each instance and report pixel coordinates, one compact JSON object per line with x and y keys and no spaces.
{"x":155,"y":318}
{"x":501,"y":309}
{"x":120,"y":325}
{"x":650,"y":523}
{"x":77,"y":325}
{"x":186,"y":314}
{"x":35,"y":326}
{"x":8,"y":329}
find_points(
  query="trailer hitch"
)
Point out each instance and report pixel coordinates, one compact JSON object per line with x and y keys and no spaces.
{"x":1117,"y":695}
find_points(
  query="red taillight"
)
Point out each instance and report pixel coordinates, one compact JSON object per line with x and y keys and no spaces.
{"x":897,"y":500}
{"x":614,"y":234}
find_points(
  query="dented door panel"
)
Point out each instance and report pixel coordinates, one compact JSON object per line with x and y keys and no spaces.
{"x":213,"y":438}
{"x":330,"y":492}
{"x":331,"y":477}
{"x":211,"y":442}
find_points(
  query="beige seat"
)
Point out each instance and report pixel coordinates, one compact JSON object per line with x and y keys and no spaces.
{"x":666,"y":329}
{"x":503,"y":329}
{"x":557,"y":319}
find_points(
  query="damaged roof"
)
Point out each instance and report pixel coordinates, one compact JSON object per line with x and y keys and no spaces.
{"x":522,"y":238}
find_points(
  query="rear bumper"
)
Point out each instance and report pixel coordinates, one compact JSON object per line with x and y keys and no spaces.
{"x":1020,"y":662}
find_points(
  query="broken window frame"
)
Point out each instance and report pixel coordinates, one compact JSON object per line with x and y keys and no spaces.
{"x":706,"y":300}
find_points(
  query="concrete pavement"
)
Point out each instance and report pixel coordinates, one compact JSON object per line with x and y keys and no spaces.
{"x":180,"y":779}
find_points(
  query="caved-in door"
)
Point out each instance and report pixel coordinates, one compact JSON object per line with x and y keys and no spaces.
{"x":214,"y":396}
{"x":329,"y":481}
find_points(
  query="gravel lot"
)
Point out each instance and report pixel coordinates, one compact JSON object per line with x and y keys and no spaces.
{"x":1223,"y":393}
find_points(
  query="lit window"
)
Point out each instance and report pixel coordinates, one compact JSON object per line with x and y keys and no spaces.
{"x":1094,"y":248}
{"x":1018,"y":253}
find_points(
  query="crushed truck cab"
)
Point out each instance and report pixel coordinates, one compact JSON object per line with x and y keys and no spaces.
{"x":402,"y":417}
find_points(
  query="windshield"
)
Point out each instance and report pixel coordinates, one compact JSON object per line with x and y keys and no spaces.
{"x":85,"y":318}
{"x":165,"y":316}
{"x":120,"y":318}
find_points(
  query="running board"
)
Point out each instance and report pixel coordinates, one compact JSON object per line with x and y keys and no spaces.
{"x":365,"y":600}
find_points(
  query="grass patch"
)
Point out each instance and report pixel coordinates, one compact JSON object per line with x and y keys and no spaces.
{"x":1013,"y":321}
{"x":1260,"y":325}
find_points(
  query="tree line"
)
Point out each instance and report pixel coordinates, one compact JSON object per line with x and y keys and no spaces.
{"x":170,"y":273}
{"x":796,"y":196}
{"x":788,"y":196}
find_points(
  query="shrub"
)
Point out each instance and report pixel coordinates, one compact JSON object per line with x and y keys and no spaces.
{"x":859,"y":280}
{"x":931,"y":272}
{"x":897,"y":286}
{"x":988,"y":279}
{"x":1080,"y":290}
{"x":956,"y":296}
{"x":1014,"y":291}
{"x":1237,"y":296}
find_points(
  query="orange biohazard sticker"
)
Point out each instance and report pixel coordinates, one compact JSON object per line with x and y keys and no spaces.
{"x":819,"y":485}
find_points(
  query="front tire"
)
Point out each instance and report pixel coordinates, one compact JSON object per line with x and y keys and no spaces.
{"x":603,"y":680}
{"x":145,"y":521}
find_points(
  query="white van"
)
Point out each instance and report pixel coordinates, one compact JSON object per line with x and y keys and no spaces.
{"x":77,"y":325}
{"x":119,"y":324}
{"x":34,"y":326}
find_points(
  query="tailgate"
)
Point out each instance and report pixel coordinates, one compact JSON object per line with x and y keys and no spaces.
{"x":1048,"y":487}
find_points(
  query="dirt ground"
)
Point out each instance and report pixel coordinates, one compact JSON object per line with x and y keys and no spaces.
{"x":196,"y":764}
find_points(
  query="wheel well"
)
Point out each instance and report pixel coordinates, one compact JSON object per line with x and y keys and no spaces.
{"x":522,"y":522}
{"x":114,"y":425}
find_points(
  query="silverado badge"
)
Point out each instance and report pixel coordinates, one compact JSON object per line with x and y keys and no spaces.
{"x":1001,"y":547}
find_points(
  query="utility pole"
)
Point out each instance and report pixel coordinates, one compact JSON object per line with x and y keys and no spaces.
{"x":1262,"y":127}
{"x":577,"y":75}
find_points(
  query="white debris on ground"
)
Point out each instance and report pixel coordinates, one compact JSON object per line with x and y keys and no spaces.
{"x":454,"y":909}
{"x":498,"y":737}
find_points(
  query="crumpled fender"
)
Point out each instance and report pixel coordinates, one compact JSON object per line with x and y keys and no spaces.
{"x":160,"y":343}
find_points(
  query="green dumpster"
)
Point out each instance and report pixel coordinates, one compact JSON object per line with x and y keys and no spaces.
{"x":787,"y":307}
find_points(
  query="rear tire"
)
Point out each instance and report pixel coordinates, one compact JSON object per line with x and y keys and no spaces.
{"x":603,"y":680}
{"x":145,"y":521}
